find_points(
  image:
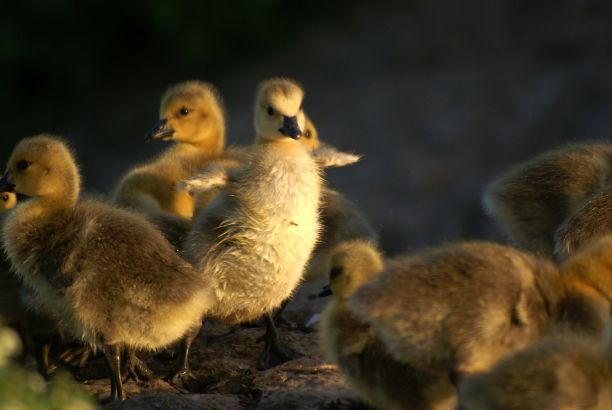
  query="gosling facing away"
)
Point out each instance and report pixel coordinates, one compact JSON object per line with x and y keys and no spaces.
{"x":255,"y":238}
{"x":351,"y":344}
{"x":532,"y":199}
{"x":106,"y":276}
{"x":192,"y":117}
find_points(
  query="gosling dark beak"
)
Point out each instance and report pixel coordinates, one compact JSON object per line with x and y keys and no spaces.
{"x":291,"y":128}
{"x":325,"y":292}
{"x":5,"y":184}
{"x":160,"y":131}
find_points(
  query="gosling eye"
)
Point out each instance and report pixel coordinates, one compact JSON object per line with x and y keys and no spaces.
{"x":335,"y":272}
{"x":308,"y":134}
{"x":184,"y":111}
{"x":270,"y":111}
{"x":5,"y":197}
{"x":22,"y":165}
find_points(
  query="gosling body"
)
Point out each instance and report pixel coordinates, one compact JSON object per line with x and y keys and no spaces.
{"x":461,"y":306}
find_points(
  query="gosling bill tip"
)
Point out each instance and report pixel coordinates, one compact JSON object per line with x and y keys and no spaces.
{"x":290,"y":128}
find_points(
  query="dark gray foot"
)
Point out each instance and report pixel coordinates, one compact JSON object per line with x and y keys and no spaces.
{"x":183,"y":379}
{"x":275,"y":352}
{"x":135,"y":369}
{"x":113,"y":355}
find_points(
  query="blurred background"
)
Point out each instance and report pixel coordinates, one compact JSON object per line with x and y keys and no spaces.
{"x":439,"y":96}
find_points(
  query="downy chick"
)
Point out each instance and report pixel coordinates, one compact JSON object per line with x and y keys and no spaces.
{"x":255,"y":238}
{"x":532,"y":199}
{"x":460,"y":306}
{"x":191,"y":116}
{"x":566,"y":372}
{"x":106,"y":276}
{"x":351,"y":344}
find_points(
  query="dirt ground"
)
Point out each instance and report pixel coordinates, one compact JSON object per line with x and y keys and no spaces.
{"x":226,"y":371}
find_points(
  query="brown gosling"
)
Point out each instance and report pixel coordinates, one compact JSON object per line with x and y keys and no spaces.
{"x":460,"y":306}
{"x":591,"y":221}
{"x":255,"y":238}
{"x":532,"y":199}
{"x":566,"y":372}
{"x":465,"y":306}
{"x":106,"y":276}
{"x":351,"y":344}
{"x":191,"y":116}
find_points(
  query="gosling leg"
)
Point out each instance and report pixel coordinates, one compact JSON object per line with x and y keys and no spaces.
{"x":275,"y":352}
{"x":42,"y":349}
{"x":182,"y":377}
{"x":113,"y":360}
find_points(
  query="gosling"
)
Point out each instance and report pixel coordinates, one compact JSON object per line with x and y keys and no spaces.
{"x":567,"y":372}
{"x":192,"y":116}
{"x":106,"y":276}
{"x":255,"y":238}
{"x":532,"y":199}
{"x":351,"y":344}
{"x":460,"y":306}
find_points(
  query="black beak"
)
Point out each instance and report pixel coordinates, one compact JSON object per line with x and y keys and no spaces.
{"x":325,"y":292}
{"x":160,"y":131}
{"x":291,"y":128}
{"x":5,"y":185}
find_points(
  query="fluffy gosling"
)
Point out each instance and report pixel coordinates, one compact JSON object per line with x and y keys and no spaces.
{"x":106,"y":276}
{"x":460,"y":306}
{"x":256,"y":236}
{"x":191,"y":116}
{"x":351,"y":344}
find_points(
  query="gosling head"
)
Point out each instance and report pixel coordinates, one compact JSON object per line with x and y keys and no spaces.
{"x":310,"y":137}
{"x":42,"y":166}
{"x":191,"y":113}
{"x":278,"y":110}
{"x":7,"y":201}
{"x":351,"y":264}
